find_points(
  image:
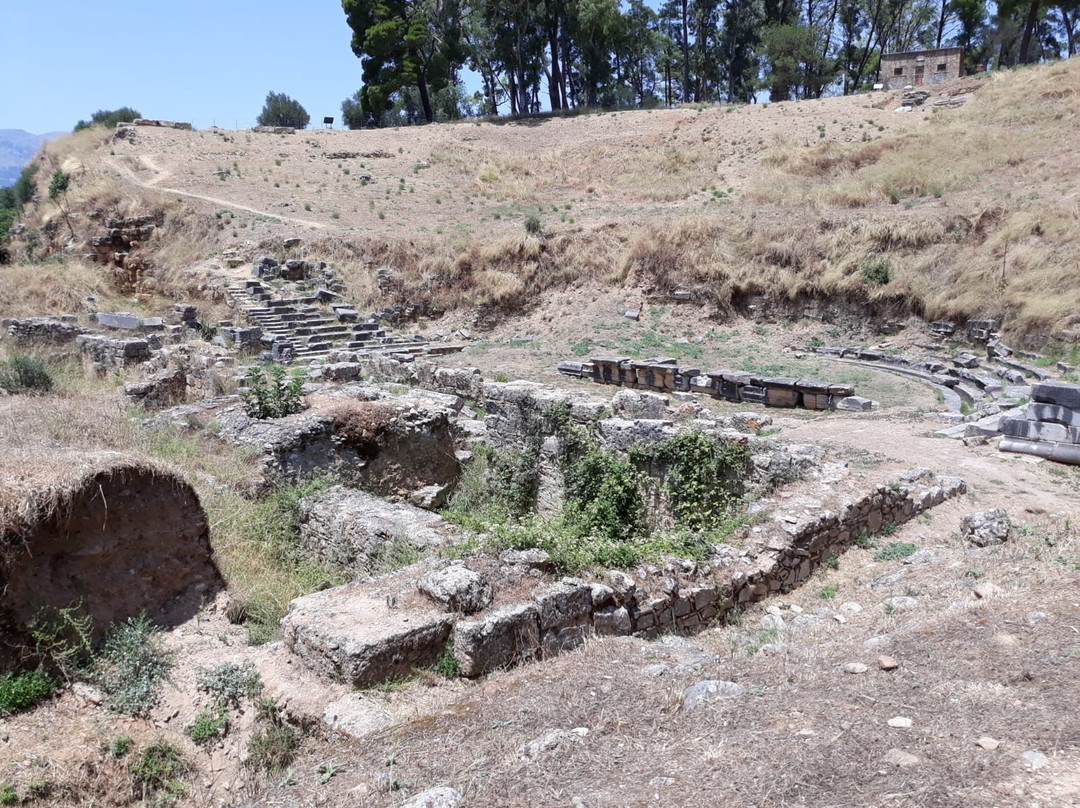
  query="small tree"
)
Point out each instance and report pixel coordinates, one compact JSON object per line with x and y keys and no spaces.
{"x":272,"y":394}
{"x":58,"y":187}
{"x":280,"y":110}
{"x":352,"y":113}
{"x":109,"y":118}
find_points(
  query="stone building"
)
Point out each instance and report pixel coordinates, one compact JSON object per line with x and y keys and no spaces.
{"x":898,"y":70}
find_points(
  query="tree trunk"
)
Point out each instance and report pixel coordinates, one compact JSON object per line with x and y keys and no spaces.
{"x":421,"y":85}
{"x":1029,"y":29}
{"x":555,"y":83}
{"x":685,"y":51}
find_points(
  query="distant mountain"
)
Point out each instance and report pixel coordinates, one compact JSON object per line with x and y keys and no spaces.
{"x":16,"y":149}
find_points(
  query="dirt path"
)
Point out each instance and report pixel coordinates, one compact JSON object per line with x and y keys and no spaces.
{"x":162,"y":174}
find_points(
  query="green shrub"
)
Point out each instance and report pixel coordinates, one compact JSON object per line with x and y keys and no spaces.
{"x":827,"y":592}
{"x":273,"y":745}
{"x":447,"y":664}
{"x":132,"y":666}
{"x":228,"y":682}
{"x":8,"y":217}
{"x":24,"y":186}
{"x":208,"y":726}
{"x":62,"y":638}
{"x":25,"y":374}
{"x":120,"y":746}
{"x":8,"y":794}
{"x":109,"y":118}
{"x":280,"y":110}
{"x":894,"y":551}
{"x":271,"y":395}
{"x":876,"y":271}
{"x":23,"y":690}
{"x":157,"y":773}
{"x":533,"y":225}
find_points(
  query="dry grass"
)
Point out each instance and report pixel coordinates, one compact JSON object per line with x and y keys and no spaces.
{"x":804,"y":733}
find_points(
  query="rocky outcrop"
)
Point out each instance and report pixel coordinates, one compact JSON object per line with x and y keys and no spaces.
{"x":118,"y":535}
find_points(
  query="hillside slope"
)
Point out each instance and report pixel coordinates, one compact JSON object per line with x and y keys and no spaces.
{"x":946,"y":211}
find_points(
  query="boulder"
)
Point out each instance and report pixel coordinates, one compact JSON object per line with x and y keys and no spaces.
{"x":986,"y":528}
{"x":457,"y":589}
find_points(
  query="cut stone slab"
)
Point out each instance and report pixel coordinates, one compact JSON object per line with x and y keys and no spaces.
{"x":497,"y":641}
{"x":1059,"y":393}
{"x":457,"y":589}
{"x":356,"y":715}
{"x":855,"y":404}
{"x":347,"y":635}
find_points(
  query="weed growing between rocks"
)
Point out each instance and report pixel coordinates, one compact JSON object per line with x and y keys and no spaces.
{"x":208,"y":726}
{"x":273,"y":395}
{"x":229,"y":683}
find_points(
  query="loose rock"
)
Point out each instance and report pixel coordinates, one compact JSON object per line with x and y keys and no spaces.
{"x":900,"y":722}
{"x":887,"y":663}
{"x":441,"y":797}
{"x":988,"y":743}
{"x":708,"y":691}
{"x":986,"y":528}
{"x":457,"y":589}
{"x":898,"y":757}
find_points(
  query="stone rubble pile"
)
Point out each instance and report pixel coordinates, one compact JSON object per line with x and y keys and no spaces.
{"x":666,"y":375}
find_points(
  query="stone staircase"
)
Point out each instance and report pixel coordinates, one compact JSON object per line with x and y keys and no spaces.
{"x":305,"y":328}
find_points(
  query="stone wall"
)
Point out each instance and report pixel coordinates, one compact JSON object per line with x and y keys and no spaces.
{"x":365,"y":632}
{"x":107,"y":353}
{"x":43,"y":330}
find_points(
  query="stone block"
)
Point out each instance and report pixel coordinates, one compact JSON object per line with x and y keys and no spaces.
{"x":344,"y":634}
{"x":752,"y":394}
{"x":1035,"y":430}
{"x":497,"y":641}
{"x":560,"y":640}
{"x":457,"y":589}
{"x":855,"y":403}
{"x":1052,"y":413}
{"x":566,"y":603}
{"x":1059,"y":393}
{"x":817,"y":401}
{"x":118,"y":320}
{"x":612,"y":621}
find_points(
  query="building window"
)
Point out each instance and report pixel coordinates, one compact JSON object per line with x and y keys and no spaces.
{"x":918,"y":70}
{"x":941,"y":67}
{"x":898,"y":71}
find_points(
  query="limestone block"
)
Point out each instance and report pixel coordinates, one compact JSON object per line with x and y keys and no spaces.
{"x":497,"y":641}
{"x":612,"y":621}
{"x":457,"y":589}
{"x":566,"y":603}
{"x":346,"y":635}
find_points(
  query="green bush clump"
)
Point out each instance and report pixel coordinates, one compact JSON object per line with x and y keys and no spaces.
{"x":228,"y":682}
{"x":23,"y":690}
{"x":208,"y":726}
{"x":132,"y":666}
{"x":533,"y":225}
{"x":109,"y":118}
{"x":25,"y":374}
{"x":157,"y":773}
{"x":894,"y":551}
{"x":272,"y":395}
{"x":447,"y":664}
{"x":876,"y":271}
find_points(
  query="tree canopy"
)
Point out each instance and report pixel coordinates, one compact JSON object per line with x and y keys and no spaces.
{"x":109,"y":118}
{"x":567,"y":54}
{"x":280,"y":110}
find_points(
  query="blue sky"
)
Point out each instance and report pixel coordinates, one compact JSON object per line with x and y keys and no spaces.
{"x":191,"y":60}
